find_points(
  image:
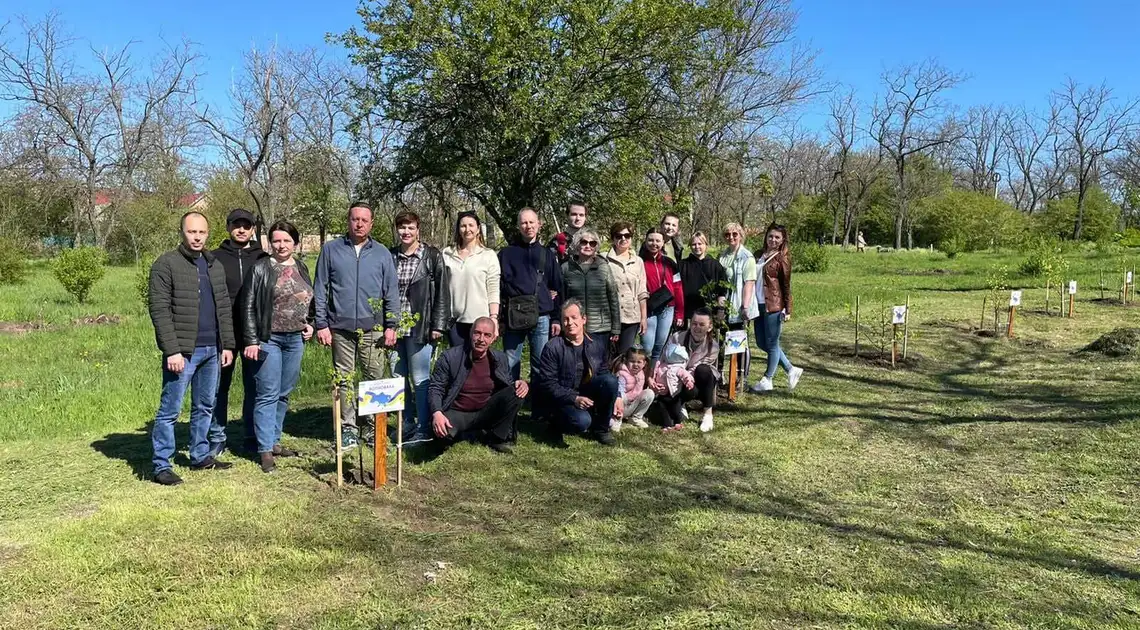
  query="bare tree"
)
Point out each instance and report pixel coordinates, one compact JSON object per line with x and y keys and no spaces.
{"x":980,"y":150}
{"x":1094,"y":126}
{"x":759,"y":76}
{"x":247,"y":134}
{"x":908,"y":120}
{"x":853,"y":172}
{"x":102,"y":122}
{"x":1035,"y":162}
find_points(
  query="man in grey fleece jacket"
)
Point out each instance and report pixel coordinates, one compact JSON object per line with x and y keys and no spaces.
{"x":351,"y":270}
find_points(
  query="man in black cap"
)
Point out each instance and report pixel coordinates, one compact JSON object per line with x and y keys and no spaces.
{"x":238,"y":254}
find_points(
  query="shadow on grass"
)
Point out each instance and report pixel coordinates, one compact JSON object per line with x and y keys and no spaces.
{"x":136,"y":450}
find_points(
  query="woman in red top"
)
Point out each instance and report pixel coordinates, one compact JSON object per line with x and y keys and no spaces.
{"x":666,"y":304}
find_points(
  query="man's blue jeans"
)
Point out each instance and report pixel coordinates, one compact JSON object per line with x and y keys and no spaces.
{"x":222,"y":406}
{"x":657,"y":329}
{"x":200,"y":375}
{"x":513,"y":341}
{"x":603,"y":390}
{"x":275,"y":374}
{"x":768,"y":327}
{"x":413,"y":362}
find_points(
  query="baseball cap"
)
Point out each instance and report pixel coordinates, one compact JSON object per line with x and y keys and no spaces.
{"x":240,"y":214}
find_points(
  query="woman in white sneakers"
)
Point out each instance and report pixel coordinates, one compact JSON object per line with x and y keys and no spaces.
{"x":774,"y":295}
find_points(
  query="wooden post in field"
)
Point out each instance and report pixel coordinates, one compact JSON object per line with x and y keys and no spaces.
{"x":1014,"y":302}
{"x":894,"y":343}
{"x":336,"y":436}
{"x":380,"y":450}
{"x":982,"y":322}
{"x":1102,"y":285}
{"x":906,"y":324}
{"x":732,"y":378}
{"x":856,"y":325}
{"x":400,"y":448}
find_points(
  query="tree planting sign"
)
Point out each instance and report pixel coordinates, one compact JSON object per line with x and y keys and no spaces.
{"x":735,"y":341}
{"x":1072,"y":287}
{"x":1015,"y":298}
{"x":380,"y":396}
{"x":898,"y":315}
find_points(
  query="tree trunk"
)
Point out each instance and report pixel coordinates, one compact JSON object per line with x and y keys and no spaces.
{"x":1078,"y":224}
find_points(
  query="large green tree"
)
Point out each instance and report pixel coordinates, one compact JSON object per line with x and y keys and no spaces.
{"x":519,"y":102}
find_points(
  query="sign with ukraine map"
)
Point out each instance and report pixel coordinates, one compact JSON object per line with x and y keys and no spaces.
{"x":380,"y":396}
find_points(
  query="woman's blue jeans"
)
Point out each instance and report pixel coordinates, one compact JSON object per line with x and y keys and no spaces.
{"x":657,"y":329}
{"x":767,"y":328}
{"x":275,"y":374}
{"x":413,"y":363}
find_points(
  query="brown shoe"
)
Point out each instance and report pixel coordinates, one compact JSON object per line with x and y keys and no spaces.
{"x":281,"y":451}
{"x":268,"y":464}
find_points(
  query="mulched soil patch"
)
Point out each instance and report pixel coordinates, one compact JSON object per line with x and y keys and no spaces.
{"x":19,"y":328}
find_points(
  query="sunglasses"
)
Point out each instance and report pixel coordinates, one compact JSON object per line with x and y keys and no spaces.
{"x":624,"y":236}
{"x":731,"y":234}
{"x":590,"y":243}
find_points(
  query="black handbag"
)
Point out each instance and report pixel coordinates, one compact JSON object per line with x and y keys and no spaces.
{"x":661,"y":296}
{"x":522,"y":310}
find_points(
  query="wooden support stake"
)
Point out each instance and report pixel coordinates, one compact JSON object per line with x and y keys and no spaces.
{"x":1071,"y":296}
{"x":732,"y":378}
{"x":906,"y":324}
{"x":380,"y":451}
{"x":1102,"y":285}
{"x":856,"y":325}
{"x":894,"y":343}
{"x":336,"y":436}
{"x":1009,"y":330}
{"x":982,"y":322}
{"x":400,"y":448}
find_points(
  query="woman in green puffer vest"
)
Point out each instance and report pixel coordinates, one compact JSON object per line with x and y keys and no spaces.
{"x":587,"y":278}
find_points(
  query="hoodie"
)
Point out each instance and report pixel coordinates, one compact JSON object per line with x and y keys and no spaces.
{"x":238,"y":262}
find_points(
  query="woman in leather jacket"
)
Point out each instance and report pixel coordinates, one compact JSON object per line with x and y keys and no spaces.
{"x":424,"y":286}
{"x":277,"y":315}
{"x":774,"y":296}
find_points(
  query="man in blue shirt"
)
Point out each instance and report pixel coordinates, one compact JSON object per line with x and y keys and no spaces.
{"x":351,"y":270}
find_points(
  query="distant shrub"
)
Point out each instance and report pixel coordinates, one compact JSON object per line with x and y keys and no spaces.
{"x":1130,"y":238}
{"x":810,"y":258}
{"x":79,"y":269}
{"x":142,"y":280}
{"x":952,"y":246}
{"x":13,"y":262}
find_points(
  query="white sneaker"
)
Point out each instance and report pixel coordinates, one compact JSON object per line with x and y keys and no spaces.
{"x":639,"y":423}
{"x":762,"y":385}
{"x":794,"y":377}
{"x":685,"y":413}
{"x":707,"y":422}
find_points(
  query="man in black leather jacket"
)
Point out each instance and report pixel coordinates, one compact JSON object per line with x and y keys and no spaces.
{"x":238,"y":254}
{"x":425,"y":297}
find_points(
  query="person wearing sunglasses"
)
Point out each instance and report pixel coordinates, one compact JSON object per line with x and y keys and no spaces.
{"x":586,"y":277}
{"x":629,"y":275}
{"x":740,"y":270}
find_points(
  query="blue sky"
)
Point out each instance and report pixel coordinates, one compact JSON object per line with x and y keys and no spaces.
{"x":1014,"y":51}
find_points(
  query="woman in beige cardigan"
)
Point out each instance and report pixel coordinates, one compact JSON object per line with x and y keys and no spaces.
{"x":629,"y":273}
{"x":474,"y":278}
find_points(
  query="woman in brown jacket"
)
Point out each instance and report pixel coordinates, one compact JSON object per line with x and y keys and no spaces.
{"x":774,"y":295}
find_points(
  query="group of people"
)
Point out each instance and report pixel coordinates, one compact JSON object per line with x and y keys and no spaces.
{"x":613,"y":337}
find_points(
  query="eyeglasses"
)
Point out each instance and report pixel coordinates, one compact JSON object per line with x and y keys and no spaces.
{"x":731,"y":234}
{"x":589,"y":243}
{"x":624,"y":236}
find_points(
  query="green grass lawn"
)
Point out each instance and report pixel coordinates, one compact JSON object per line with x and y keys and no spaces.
{"x":989,"y":483}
